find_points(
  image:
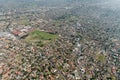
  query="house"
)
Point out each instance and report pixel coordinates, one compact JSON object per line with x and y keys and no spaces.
{"x":16,"y":32}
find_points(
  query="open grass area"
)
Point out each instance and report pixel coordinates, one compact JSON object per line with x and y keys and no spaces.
{"x":40,"y":38}
{"x":24,"y":22}
{"x":101,"y":57}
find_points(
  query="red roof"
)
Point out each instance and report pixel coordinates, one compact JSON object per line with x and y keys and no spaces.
{"x":16,"y":32}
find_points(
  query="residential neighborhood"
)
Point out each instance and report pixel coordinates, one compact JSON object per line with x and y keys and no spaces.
{"x":59,"y":40}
